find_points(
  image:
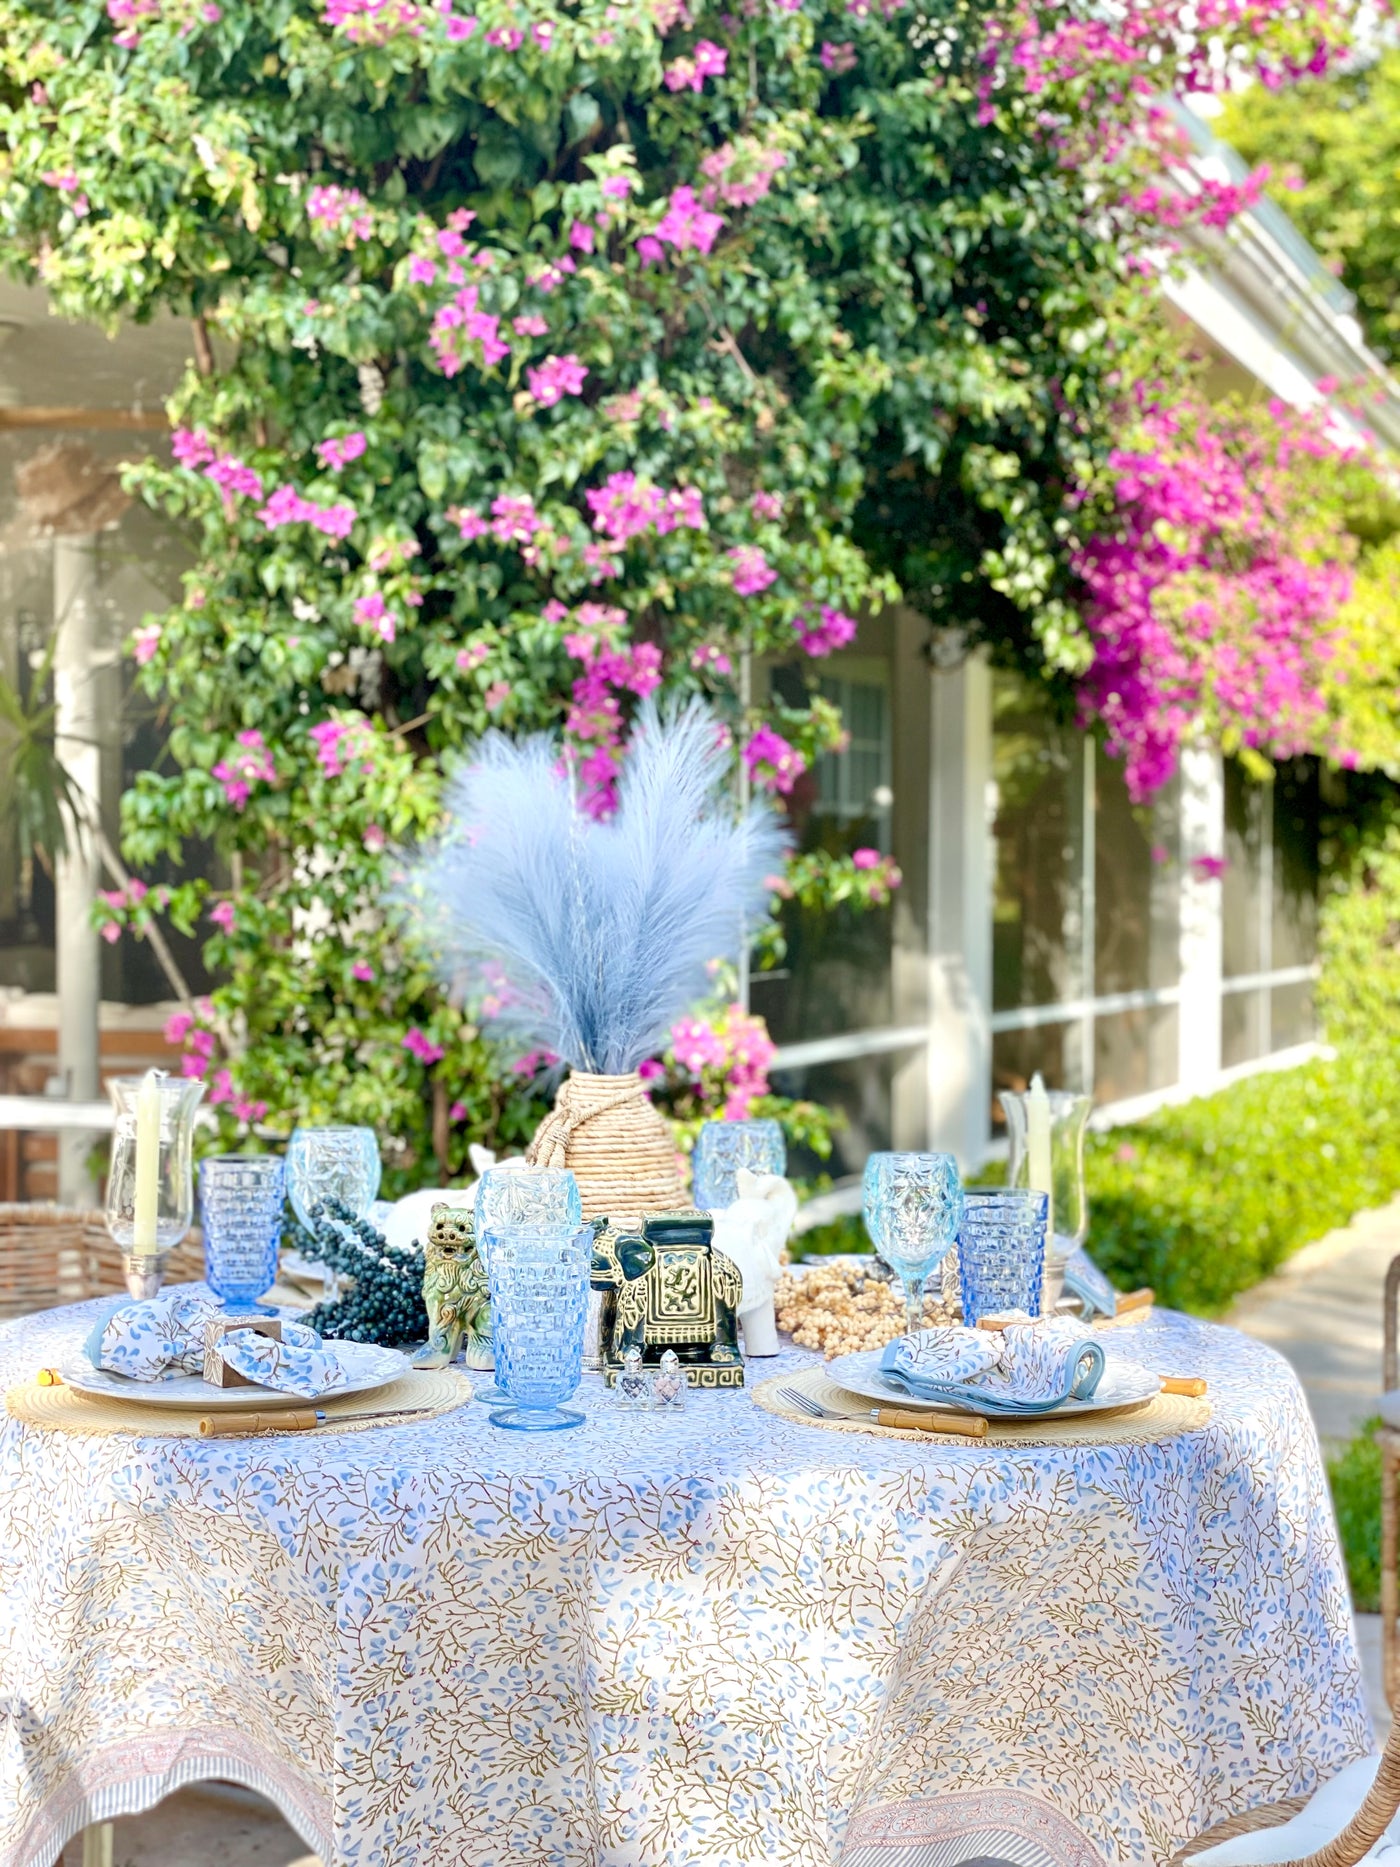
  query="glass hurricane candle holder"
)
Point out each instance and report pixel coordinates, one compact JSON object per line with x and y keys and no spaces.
{"x":331,"y":1163}
{"x":913,"y":1206}
{"x":539,"y":1299}
{"x":240,"y":1210}
{"x":1001,"y":1252}
{"x":1046,"y":1131}
{"x":722,"y":1148}
{"x":150,"y":1174}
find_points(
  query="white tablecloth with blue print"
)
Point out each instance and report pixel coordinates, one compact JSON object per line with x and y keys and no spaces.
{"x":708,"y":1640}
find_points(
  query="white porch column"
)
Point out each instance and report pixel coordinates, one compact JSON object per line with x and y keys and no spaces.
{"x":1202,"y":918}
{"x":77,"y":875}
{"x":960,"y":912}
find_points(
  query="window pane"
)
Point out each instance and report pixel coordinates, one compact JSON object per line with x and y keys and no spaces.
{"x":837,"y":973}
{"x":1052,"y":1049}
{"x":1136,"y":886}
{"x":1038,"y":776}
{"x":1296,"y":866}
{"x":1242,"y":1026}
{"x":1292,"y":1017}
{"x":862,"y":1090}
{"x":1135,"y":1051}
{"x":1245,"y":807}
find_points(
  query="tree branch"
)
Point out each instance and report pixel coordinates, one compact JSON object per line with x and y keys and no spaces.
{"x":203,"y":348}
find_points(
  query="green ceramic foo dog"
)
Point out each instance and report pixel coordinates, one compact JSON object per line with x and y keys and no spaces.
{"x":455,"y":1293}
{"x":667,"y":1287}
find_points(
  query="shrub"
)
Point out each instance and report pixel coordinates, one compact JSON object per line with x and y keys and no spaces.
{"x":1203,"y":1200}
{"x":1355,"y":1477}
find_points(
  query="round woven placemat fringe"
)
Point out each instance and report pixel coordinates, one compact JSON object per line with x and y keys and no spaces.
{"x":68,"y":1410}
{"x":618,"y":1147}
{"x":1142,"y":1425}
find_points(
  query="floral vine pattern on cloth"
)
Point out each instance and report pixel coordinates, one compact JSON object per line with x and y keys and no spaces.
{"x":700,"y":1642}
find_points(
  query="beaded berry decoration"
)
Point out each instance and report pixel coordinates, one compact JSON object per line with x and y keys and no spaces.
{"x":384,"y":1304}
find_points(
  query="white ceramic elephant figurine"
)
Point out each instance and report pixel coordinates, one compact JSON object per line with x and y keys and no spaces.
{"x":752,"y":1232}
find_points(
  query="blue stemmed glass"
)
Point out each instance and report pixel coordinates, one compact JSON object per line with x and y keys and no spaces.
{"x":913,"y":1207}
{"x":240,"y":1212}
{"x":722,"y":1148}
{"x":1001,"y":1252}
{"x":539,"y":1299}
{"x":507,"y":1196}
{"x":331,"y":1163}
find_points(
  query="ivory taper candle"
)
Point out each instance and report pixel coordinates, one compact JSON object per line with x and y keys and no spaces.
{"x":143,"y":1234}
{"x":1038,"y":1173}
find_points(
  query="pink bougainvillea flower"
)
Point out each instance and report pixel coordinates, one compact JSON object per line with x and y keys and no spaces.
{"x":617,"y":187}
{"x":766,"y":505}
{"x":363,"y":971}
{"x":374,"y":838}
{"x":145,"y":642}
{"x":509,"y":38}
{"x":555,"y":378}
{"x":581,"y":236}
{"x":752,"y":572}
{"x":866,"y":858}
{"x":223,"y":915}
{"x":839,"y":57}
{"x":825,"y":632}
{"x":472,"y":657}
{"x":772,"y":763}
{"x":496,"y":695}
{"x":339,"y":450}
{"x":710,"y":658}
{"x":422,"y":1046}
{"x":251,"y":764}
{"x":687,"y":225}
{"x":457,"y":1112}
{"x":460,"y":26}
{"x":530,"y":325}
{"x":1209,"y":868}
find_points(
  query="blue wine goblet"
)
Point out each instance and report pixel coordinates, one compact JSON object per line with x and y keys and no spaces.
{"x":913,"y":1207}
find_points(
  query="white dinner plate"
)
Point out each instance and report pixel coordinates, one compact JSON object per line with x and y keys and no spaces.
{"x":1123,"y":1384}
{"x":366,"y":1367}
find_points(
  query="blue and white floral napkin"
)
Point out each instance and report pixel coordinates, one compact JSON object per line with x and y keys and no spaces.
{"x":163,"y":1338}
{"x":1025,"y":1368}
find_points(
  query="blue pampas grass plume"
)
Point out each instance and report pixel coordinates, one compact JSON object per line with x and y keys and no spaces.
{"x":594,"y":937}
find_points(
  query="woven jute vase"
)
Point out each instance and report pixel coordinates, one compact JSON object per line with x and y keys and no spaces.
{"x":617,"y":1146}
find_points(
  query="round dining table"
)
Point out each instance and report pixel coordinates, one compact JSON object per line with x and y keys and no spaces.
{"x":712,"y":1637}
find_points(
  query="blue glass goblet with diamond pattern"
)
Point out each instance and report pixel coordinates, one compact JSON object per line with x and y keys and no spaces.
{"x":539,"y":1300}
{"x":1001,"y":1252}
{"x":913,"y":1206}
{"x":722,"y":1148}
{"x":240,"y":1212}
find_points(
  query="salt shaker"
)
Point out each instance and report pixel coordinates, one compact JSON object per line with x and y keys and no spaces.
{"x":633,"y":1383}
{"x":668,"y":1384}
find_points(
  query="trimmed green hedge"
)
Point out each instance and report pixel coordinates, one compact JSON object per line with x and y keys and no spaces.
{"x":1355,"y":1477}
{"x":1203,"y":1200}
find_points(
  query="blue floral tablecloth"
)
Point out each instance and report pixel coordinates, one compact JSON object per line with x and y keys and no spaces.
{"x":704,"y":1641}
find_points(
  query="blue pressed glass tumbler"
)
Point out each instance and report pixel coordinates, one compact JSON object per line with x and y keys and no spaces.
{"x":527,"y":1196}
{"x":722,"y":1148}
{"x":913,"y":1206}
{"x":240,"y":1211}
{"x":1001,"y":1252}
{"x":539,"y":1299}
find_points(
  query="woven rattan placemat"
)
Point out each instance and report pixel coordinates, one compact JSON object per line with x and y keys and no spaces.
{"x":66,"y":1410}
{"x":1142,"y":1425}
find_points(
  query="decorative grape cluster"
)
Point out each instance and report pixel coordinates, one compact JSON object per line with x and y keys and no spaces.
{"x":384,"y":1304}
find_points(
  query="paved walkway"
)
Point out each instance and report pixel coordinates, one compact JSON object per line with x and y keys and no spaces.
{"x":1323,"y":1311}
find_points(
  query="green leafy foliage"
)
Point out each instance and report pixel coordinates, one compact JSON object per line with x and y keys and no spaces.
{"x":1355,"y":1477}
{"x":1203,"y":1200}
{"x":1334,"y":146}
{"x":841,"y":339}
